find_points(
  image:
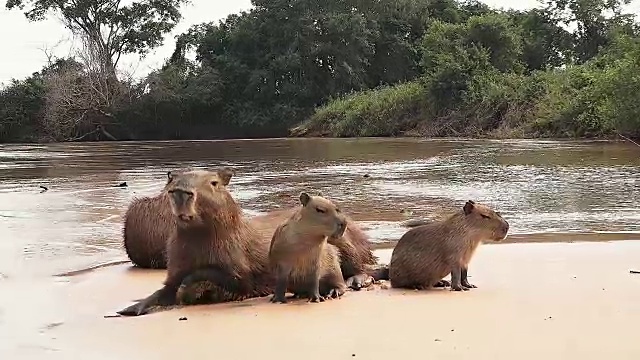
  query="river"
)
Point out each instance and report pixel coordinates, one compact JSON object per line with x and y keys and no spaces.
{"x":547,"y":190}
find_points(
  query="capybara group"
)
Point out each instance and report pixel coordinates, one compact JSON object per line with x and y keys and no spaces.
{"x":149,"y":222}
{"x":313,"y":250}
{"x":427,"y":253}
{"x":301,"y":259}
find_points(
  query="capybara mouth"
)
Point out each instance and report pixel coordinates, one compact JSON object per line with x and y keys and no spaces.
{"x":339,"y":231}
{"x":501,"y":236}
{"x":185,"y":218}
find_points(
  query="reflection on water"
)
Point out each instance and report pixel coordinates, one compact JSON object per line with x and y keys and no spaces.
{"x":539,"y":186}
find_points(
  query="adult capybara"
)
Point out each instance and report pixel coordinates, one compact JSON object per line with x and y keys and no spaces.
{"x":211,"y":240}
{"x":427,"y":253}
{"x":148,"y":225}
{"x":302,"y":260}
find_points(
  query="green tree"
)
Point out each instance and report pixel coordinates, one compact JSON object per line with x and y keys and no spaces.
{"x":596,"y":22}
{"x":545,"y":43}
{"x":112,"y":28}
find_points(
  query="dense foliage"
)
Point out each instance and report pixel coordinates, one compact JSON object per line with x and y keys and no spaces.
{"x":357,"y":68}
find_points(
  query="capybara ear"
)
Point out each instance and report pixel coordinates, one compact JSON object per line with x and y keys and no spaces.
{"x":304,"y":198}
{"x":225,"y":175}
{"x":170,"y":175}
{"x":468,"y":207}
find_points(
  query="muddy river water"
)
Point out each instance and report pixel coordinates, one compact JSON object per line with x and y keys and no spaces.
{"x":547,"y":190}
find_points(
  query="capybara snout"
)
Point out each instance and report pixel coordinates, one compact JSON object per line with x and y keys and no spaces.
{"x":341,"y":226}
{"x":182,"y":202}
{"x":504,"y":230}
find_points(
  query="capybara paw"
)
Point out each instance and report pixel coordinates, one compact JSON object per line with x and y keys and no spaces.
{"x":335,"y":293}
{"x":442,"y":284}
{"x":456,"y":288}
{"x":469,"y":285}
{"x":134,"y":310}
{"x":316,"y":298}
{"x":359,"y":281}
{"x":278,"y":299}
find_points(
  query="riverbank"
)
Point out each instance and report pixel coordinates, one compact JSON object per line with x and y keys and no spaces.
{"x":553,"y":301}
{"x":301,"y":132}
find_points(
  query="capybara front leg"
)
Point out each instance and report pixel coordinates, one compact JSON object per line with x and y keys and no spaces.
{"x":314,"y":286}
{"x":456,"y":274}
{"x":282,"y":276}
{"x":218,"y":277}
{"x":359,"y":281}
{"x":463,"y":279}
{"x":163,"y":297}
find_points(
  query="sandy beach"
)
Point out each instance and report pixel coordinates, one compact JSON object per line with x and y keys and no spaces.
{"x":533,"y":301}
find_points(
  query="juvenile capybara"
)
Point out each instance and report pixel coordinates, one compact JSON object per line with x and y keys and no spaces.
{"x":358,"y":264}
{"x":300,"y":257}
{"x":149,"y":223}
{"x":211,"y":240}
{"x":427,"y":253}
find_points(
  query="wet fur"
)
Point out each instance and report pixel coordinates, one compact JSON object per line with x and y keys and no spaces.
{"x":427,"y":253}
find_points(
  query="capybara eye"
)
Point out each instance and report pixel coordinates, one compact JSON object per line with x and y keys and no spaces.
{"x":486,"y":216}
{"x":338,"y":210}
{"x":214,"y":183}
{"x":321,"y":211}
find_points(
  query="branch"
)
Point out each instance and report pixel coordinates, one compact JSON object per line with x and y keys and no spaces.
{"x":626,"y":138}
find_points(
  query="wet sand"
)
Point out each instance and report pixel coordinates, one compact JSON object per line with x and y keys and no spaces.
{"x":533,"y":301}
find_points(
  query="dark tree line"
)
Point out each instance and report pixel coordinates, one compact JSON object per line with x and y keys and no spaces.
{"x":335,"y":67}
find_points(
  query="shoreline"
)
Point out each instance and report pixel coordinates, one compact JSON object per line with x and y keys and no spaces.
{"x":545,"y":300}
{"x":612,"y":138}
{"x":536,"y":238}
{"x":547,"y":238}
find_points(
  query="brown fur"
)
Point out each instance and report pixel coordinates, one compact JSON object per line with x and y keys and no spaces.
{"x":427,"y":253}
{"x":148,"y":226}
{"x":300,"y":256}
{"x":211,"y":236}
{"x":358,"y":264}
{"x":148,"y":223}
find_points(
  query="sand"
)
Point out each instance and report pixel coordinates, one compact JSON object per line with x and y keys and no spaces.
{"x":533,"y":301}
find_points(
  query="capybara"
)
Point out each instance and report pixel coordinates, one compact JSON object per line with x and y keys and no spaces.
{"x":149,"y":223}
{"x":211,"y":240}
{"x":358,"y":264}
{"x":147,"y":227}
{"x":300,"y":257}
{"x":427,"y":253}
